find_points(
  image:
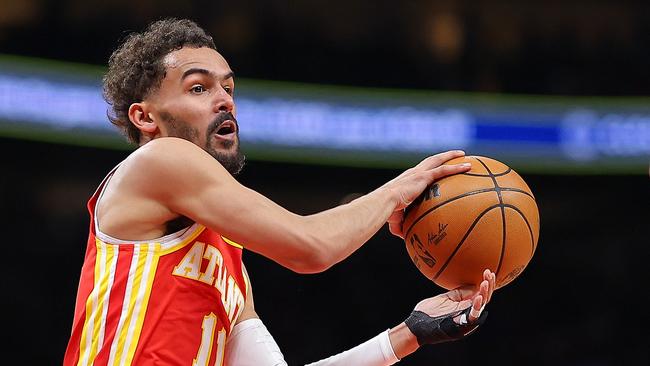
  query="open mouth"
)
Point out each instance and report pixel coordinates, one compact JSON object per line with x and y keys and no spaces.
{"x":226,"y":128}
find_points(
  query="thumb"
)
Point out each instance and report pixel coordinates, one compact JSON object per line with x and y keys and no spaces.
{"x":395,"y":223}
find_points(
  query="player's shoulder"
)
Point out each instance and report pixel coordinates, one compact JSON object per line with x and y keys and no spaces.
{"x":164,"y":156}
{"x":167,"y":150}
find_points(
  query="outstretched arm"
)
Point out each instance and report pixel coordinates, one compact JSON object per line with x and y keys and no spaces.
{"x":445,"y":317}
{"x":186,"y":181}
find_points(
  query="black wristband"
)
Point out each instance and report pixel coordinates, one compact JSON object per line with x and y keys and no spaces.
{"x":432,"y":330}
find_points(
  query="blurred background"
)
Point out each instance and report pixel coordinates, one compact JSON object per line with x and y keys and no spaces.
{"x":334,"y":99}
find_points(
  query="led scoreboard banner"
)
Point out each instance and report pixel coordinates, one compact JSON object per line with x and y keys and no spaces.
{"x":280,"y":121}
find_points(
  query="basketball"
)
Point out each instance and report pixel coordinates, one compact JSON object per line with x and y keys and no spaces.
{"x":464,"y":223}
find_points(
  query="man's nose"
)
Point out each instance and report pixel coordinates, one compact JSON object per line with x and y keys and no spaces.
{"x":224,"y":102}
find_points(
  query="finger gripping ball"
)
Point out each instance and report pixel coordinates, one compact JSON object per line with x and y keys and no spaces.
{"x":462,"y":224}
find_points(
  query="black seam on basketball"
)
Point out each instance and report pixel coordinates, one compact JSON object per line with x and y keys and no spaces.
{"x":530,"y":230}
{"x":518,"y":191}
{"x":504,"y":233}
{"x":462,"y":241}
{"x":408,"y":231}
{"x":488,"y":175}
{"x":497,"y":189}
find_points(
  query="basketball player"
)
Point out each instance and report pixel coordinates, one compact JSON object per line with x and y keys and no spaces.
{"x":163,"y":281}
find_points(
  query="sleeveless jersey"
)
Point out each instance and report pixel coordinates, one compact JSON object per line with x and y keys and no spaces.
{"x":168,"y":301}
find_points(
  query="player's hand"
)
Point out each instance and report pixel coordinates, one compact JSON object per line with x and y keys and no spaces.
{"x":444,"y":317}
{"x":460,"y":299}
{"x":450,"y":316}
{"x":411,"y":183}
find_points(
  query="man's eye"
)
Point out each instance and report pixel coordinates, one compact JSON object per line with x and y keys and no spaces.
{"x":228,"y":89}
{"x":198,"y":89}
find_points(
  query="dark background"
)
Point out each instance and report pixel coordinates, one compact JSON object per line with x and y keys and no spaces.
{"x":579,"y":47}
{"x":583,"y":300}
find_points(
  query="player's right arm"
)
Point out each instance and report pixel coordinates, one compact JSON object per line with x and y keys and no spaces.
{"x":184,"y":180}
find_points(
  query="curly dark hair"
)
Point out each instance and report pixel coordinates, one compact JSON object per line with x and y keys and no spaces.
{"x":136,"y":69}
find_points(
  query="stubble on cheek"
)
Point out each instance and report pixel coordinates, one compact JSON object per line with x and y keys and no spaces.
{"x":179,"y":128}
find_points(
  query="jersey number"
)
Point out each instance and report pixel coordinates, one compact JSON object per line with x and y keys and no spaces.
{"x":207,"y":337}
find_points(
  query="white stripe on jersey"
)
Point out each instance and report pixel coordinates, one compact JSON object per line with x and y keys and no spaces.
{"x":137,"y":309}
{"x":125,"y":306}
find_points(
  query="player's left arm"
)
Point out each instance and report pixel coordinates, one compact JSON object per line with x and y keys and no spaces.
{"x":446,"y":317}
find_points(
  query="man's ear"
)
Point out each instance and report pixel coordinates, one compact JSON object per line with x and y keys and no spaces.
{"x":142,"y":119}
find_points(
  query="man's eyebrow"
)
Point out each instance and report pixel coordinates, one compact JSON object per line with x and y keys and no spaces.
{"x":229,"y":75}
{"x":198,"y":70}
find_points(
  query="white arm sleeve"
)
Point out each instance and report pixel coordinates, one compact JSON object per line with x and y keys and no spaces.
{"x":375,"y":352}
{"x":251,"y":344}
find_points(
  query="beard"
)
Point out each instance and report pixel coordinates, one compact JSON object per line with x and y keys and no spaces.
{"x":229,"y":155}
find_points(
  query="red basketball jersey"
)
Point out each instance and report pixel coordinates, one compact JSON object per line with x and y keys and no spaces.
{"x":169,"y":301}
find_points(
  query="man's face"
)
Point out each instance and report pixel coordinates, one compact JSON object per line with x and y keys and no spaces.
{"x":195,"y":102}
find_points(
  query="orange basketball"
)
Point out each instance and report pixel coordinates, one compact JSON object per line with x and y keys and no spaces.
{"x":465,"y":223}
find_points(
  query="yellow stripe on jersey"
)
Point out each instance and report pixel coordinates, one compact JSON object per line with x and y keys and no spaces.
{"x":133,"y":303}
{"x":117,"y":348}
{"x":143,"y":297}
{"x":228,"y":241}
{"x":92,"y":335}
{"x":105,"y":284}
